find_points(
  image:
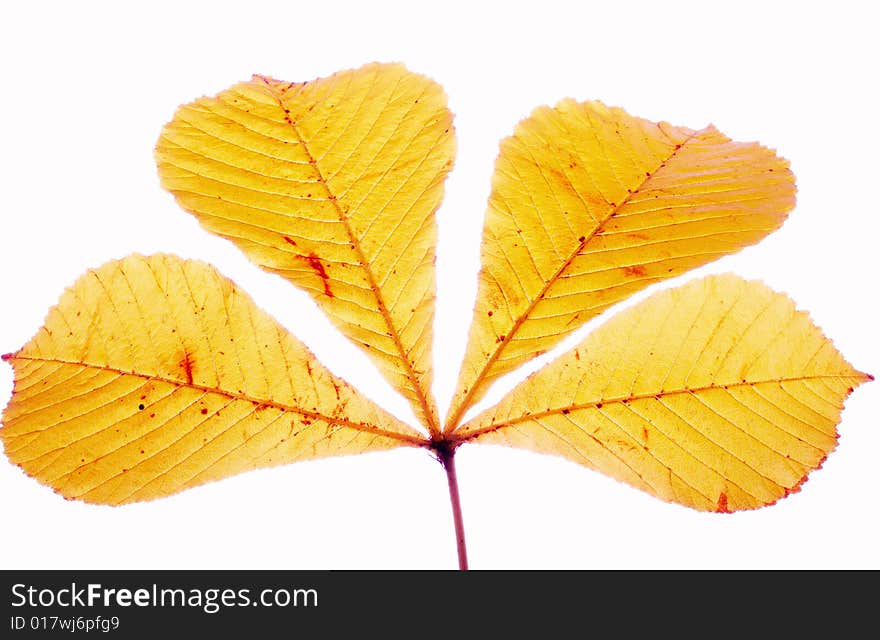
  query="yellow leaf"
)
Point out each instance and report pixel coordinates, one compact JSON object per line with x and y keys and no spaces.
{"x":590,"y":205}
{"x":718,"y":395}
{"x":333,"y":185}
{"x":153,"y":375}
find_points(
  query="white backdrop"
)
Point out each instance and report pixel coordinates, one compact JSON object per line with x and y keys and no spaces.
{"x":87,"y":87}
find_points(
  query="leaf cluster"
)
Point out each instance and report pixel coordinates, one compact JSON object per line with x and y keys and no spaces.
{"x":154,"y":374}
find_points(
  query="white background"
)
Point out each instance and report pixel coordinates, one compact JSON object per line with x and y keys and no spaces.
{"x":86,"y":88}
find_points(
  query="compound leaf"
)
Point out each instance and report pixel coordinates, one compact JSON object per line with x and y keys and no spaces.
{"x":718,"y":395}
{"x":333,"y":185}
{"x":590,"y":205}
{"x":154,"y":374}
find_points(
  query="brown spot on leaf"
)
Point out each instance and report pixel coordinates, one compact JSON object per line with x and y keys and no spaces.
{"x":187,"y":363}
{"x":721,"y":505}
{"x":204,"y":411}
{"x":635,"y":270}
{"x":289,"y":240}
{"x":318,"y":267}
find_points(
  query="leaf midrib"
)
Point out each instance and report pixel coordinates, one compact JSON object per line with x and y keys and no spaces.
{"x":315,"y":415}
{"x":596,"y":404}
{"x":428,"y":414}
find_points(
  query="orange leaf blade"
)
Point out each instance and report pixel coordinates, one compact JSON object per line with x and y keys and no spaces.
{"x":332,"y":184}
{"x":718,"y":395}
{"x":153,"y":375}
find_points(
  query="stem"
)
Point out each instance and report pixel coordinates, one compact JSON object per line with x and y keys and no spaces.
{"x":446,"y":455}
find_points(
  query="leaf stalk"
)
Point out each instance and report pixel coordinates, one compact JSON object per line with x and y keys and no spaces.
{"x":445,"y":450}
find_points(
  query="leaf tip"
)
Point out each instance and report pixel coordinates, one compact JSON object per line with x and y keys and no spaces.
{"x":862,"y":379}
